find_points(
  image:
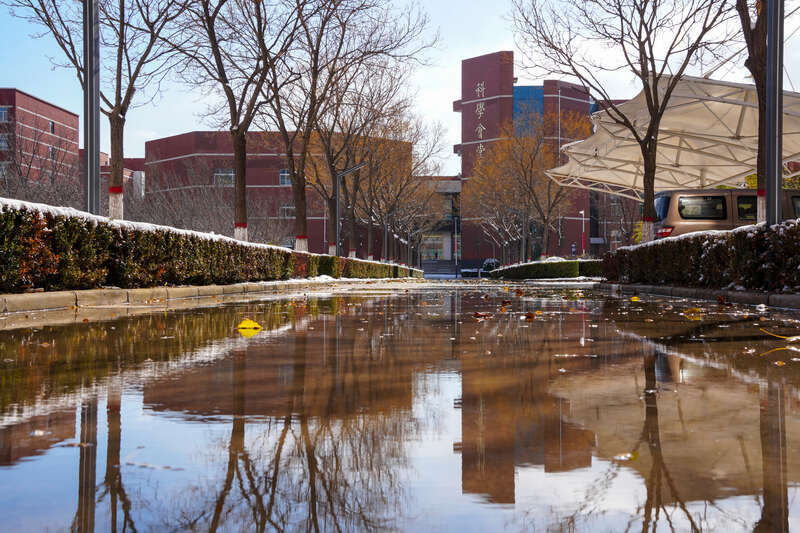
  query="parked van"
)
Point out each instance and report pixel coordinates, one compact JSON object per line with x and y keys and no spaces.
{"x":679,"y":212}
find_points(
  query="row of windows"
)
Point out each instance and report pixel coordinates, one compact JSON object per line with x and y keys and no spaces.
{"x":5,"y":116}
{"x":225,"y":177}
{"x":5,"y":144}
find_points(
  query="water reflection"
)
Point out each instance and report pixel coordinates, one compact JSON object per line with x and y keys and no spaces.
{"x":569,"y":414}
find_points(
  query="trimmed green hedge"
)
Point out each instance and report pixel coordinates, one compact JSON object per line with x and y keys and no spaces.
{"x":554,"y":269}
{"x":592,"y":268}
{"x":58,"y":249}
{"x":751,"y":257}
{"x":538,"y":270}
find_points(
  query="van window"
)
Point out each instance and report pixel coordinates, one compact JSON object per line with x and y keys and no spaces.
{"x":796,"y":205}
{"x":662,"y":207}
{"x":746,"y":207}
{"x":702,"y":207}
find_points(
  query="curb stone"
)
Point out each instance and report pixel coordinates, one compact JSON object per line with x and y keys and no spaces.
{"x":40,"y":301}
{"x":789,"y":301}
{"x":37,"y":301}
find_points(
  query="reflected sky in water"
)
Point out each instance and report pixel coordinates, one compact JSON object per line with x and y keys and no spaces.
{"x":482,"y":408}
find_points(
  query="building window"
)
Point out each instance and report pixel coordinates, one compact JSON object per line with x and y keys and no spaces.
{"x":52,"y":152}
{"x":286,"y":211}
{"x":4,"y":114}
{"x":4,"y":143}
{"x":52,"y":127}
{"x":615,"y":207}
{"x":224,"y":177}
{"x":4,"y":169}
{"x":283,"y":177}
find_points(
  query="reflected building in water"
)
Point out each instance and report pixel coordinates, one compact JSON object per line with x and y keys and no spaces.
{"x":509,"y":420}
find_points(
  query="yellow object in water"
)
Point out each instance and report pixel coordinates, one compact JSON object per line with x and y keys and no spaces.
{"x":634,"y":298}
{"x":247,"y":328}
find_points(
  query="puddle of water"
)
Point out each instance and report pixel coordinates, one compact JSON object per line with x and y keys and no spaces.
{"x":470,"y":410}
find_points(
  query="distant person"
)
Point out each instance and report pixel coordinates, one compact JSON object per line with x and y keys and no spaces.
{"x":574,"y":249}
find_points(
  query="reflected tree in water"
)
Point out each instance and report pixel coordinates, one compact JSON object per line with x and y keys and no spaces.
{"x":326,"y":464}
{"x":112,"y":483}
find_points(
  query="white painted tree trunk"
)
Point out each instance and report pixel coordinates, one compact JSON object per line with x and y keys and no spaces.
{"x":352,"y":254}
{"x":370,"y":258}
{"x":240,"y":233}
{"x":301,"y":244}
{"x":115,"y":205}
{"x":761,"y":208}
{"x":331,"y":248}
{"x":648,"y":232}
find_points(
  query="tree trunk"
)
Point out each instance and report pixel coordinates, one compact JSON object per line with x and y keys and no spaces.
{"x":116,"y":123}
{"x":546,"y":237}
{"x":761,"y":160}
{"x":524,"y":249}
{"x":300,"y":220}
{"x":331,"y":234}
{"x":385,"y":244}
{"x":369,"y":240}
{"x":352,"y":242}
{"x":649,"y":208}
{"x":755,"y":33}
{"x":240,"y":184}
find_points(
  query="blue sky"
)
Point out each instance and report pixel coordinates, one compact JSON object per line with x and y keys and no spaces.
{"x":468,"y":28}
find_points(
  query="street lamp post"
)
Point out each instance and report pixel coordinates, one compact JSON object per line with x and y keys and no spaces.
{"x":337,"y":191}
{"x":583,"y":231}
{"x":91,"y":105}
{"x":774,"y":111}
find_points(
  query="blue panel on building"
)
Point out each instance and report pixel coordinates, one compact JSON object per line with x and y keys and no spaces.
{"x":528,"y":99}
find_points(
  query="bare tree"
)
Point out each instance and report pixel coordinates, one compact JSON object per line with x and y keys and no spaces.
{"x":335,"y":37}
{"x":516,"y":166}
{"x":655,"y":41}
{"x":402,"y":156}
{"x":228,"y":48}
{"x":133,"y":51}
{"x":38,"y":167}
{"x":356,"y":107}
{"x":172,"y":200}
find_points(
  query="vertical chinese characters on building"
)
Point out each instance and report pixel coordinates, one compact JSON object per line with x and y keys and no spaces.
{"x":480,"y":108}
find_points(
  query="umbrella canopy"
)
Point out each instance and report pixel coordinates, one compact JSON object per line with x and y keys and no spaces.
{"x":708,"y":136}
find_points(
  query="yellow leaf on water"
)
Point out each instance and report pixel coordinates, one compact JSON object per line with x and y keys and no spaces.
{"x":634,"y":298}
{"x":247,"y":328}
{"x":693,"y":313}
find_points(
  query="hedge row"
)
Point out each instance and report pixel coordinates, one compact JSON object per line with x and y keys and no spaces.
{"x":750,"y":257}
{"x":548,"y":269}
{"x":57,"y":249}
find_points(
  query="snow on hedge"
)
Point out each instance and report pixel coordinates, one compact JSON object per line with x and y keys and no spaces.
{"x":69,"y":212}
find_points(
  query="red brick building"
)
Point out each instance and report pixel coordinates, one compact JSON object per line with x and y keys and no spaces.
{"x":587,"y":222}
{"x":38,"y":140}
{"x":196,"y":167}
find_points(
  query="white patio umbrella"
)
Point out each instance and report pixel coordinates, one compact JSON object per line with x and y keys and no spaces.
{"x":708,"y":136}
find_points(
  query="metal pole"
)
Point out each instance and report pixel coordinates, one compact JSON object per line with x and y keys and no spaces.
{"x":91,"y":105}
{"x":774,"y":109}
{"x":337,"y":188}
